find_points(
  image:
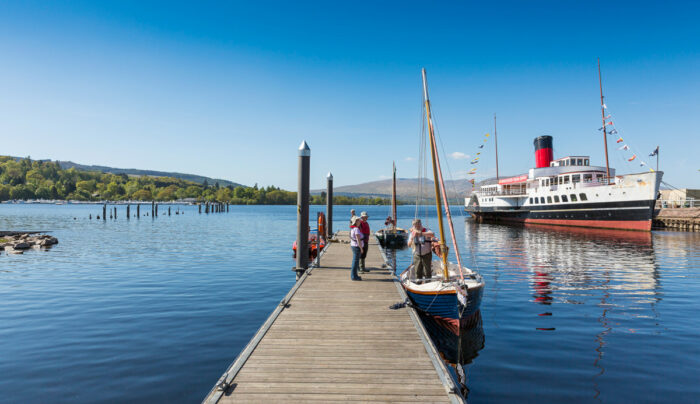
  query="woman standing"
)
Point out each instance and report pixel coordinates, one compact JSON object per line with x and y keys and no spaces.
{"x":356,"y":244}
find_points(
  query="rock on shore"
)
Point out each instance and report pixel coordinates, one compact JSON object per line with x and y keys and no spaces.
{"x":16,"y":244}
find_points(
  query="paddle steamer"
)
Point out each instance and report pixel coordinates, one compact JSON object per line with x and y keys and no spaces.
{"x":568,"y":191}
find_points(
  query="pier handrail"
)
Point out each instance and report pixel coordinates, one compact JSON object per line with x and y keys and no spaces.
{"x":675,"y":203}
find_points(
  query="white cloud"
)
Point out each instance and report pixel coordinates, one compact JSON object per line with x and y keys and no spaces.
{"x":410,"y":159}
{"x":459,"y":156}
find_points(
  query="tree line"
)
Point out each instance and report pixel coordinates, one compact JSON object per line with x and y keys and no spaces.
{"x":26,"y":179}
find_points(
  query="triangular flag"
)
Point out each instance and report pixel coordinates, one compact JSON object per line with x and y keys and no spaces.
{"x":481,"y":147}
{"x":608,"y":117}
{"x":625,"y":147}
{"x":619,"y":140}
{"x":632,"y":158}
{"x":614,"y":131}
{"x":488,"y":134}
{"x":605,"y":106}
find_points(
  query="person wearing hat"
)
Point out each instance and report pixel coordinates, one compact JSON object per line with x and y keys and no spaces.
{"x":364,"y":228}
{"x":356,"y":244}
{"x":352,"y":215}
{"x":420,"y":241}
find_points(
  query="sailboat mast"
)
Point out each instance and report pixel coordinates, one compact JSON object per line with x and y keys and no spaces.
{"x":393,"y":199}
{"x":495,"y":137}
{"x":605,"y":131}
{"x":438,"y":204}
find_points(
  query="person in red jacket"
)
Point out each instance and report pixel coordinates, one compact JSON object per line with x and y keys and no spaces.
{"x":364,"y":228}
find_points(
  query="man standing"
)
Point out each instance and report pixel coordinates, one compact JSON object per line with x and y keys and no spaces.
{"x":352,"y":216}
{"x":364,"y":229}
{"x":420,"y":241}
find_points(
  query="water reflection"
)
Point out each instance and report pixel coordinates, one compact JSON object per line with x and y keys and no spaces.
{"x":457,"y":350}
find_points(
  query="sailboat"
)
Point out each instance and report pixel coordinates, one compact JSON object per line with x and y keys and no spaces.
{"x":453,"y":294}
{"x":392,"y":236}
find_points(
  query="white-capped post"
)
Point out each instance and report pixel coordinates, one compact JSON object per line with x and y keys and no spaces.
{"x":303,"y":209}
{"x":329,"y":206}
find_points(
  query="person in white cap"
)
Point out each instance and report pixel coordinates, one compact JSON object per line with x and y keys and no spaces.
{"x":420,"y":241}
{"x":352,"y":216}
{"x":356,"y":246}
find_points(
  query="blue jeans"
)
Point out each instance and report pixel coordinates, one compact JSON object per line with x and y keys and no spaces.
{"x":355,"y":262}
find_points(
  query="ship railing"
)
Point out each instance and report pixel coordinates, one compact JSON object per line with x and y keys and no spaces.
{"x":502,"y":193}
{"x":677,"y":203}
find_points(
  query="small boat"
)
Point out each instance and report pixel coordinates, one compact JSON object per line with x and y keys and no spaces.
{"x":392,"y":236}
{"x":453,"y":294}
{"x":317,"y":239}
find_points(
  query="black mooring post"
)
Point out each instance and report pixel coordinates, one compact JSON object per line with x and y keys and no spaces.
{"x":138,"y":210}
{"x":303,"y":210}
{"x":153,"y":209}
{"x":128,"y":212}
{"x":104,"y":212}
{"x":329,"y":206}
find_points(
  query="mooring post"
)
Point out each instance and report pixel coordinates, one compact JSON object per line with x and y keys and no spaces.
{"x":153,"y":209}
{"x":303,"y":210}
{"x":138,"y":210}
{"x":329,"y":206}
{"x":156,"y":210}
{"x":104,"y":212}
{"x":168,"y":210}
{"x":200,"y":208}
{"x":115,"y":213}
{"x":128,"y":212}
{"x":227,"y":207}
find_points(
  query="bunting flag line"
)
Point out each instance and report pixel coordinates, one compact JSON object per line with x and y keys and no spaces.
{"x":608,"y":117}
{"x":478,"y":153}
{"x":625,"y":147}
{"x":642,"y":164}
{"x":655,"y":152}
{"x":481,"y":147}
{"x":608,"y":123}
{"x":488,"y":134}
{"x":619,"y":140}
{"x":613,"y":132}
{"x":632,"y":158}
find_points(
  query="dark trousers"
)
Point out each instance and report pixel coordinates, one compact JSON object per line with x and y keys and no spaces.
{"x":423,"y":265}
{"x":355,"y":262}
{"x":365,"y":244}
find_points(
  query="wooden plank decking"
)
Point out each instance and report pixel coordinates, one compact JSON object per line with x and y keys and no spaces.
{"x":337,"y":341}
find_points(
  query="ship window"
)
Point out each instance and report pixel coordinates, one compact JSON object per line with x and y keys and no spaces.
{"x":541,"y":199}
{"x":598,"y":177}
{"x":564,"y":198}
{"x":535,"y":200}
{"x":530,"y":201}
{"x":576,"y":178}
{"x":587,"y":177}
{"x":579,"y":162}
{"x":586,"y":162}
{"x":561,"y":180}
{"x":573,"y":198}
{"x":556,"y":198}
{"x":583,"y":197}
{"x":566,"y":179}
{"x":549,"y":199}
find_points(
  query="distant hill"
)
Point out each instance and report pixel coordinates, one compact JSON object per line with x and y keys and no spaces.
{"x":406,"y":189}
{"x":133,"y":171}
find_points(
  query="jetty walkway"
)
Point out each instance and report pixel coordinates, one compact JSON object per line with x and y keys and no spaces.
{"x":335,"y":340}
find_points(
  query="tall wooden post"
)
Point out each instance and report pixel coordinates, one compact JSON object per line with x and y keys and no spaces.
{"x":128,"y":212}
{"x":605,"y":131}
{"x":303,"y":209}
{"x":153,"y":209}
{"x":329,"y":205}
{"x":156,"y":210}
{"x":115,"y":213}
{"x":168,"y":210}
{"x":200,"y":208}
{"x":138,"y":211}
{"x":104,"y":212}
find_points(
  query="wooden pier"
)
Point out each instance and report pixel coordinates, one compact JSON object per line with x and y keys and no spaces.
{"x":335,"y":340}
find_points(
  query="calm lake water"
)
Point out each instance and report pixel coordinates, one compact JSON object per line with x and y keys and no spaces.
{"x":155,"y":310}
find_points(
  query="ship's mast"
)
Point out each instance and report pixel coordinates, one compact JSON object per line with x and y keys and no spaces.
{"x":605,"y":130}
{"x":495,"y":138}
{"x":438,"y":204}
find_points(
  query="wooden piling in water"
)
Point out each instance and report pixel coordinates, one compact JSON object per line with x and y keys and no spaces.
{"x":200,"y":208}
{"x":153,"y":209}
{"x":104,"y":212}
{"x":128,"y":212}
{"x":138,"y":210}
{"x":115,"y":213}
{"x":168,"y":210}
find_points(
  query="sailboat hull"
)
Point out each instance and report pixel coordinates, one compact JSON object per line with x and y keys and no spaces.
{"x":446,"y":307}
{"x":392,"y":239}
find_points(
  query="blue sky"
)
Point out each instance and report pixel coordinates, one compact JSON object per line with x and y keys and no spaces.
{"x":230,"y":90}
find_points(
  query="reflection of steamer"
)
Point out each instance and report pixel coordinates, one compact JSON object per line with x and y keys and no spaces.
{"x":569,"y":192}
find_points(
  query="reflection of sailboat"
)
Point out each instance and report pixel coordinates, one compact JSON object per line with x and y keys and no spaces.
{"x":454,"y":292}
{"x":457,"y":349}
{"x":392,"y":236}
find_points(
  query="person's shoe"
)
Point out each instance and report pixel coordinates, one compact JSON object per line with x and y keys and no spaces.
{"x":357,"y":279}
